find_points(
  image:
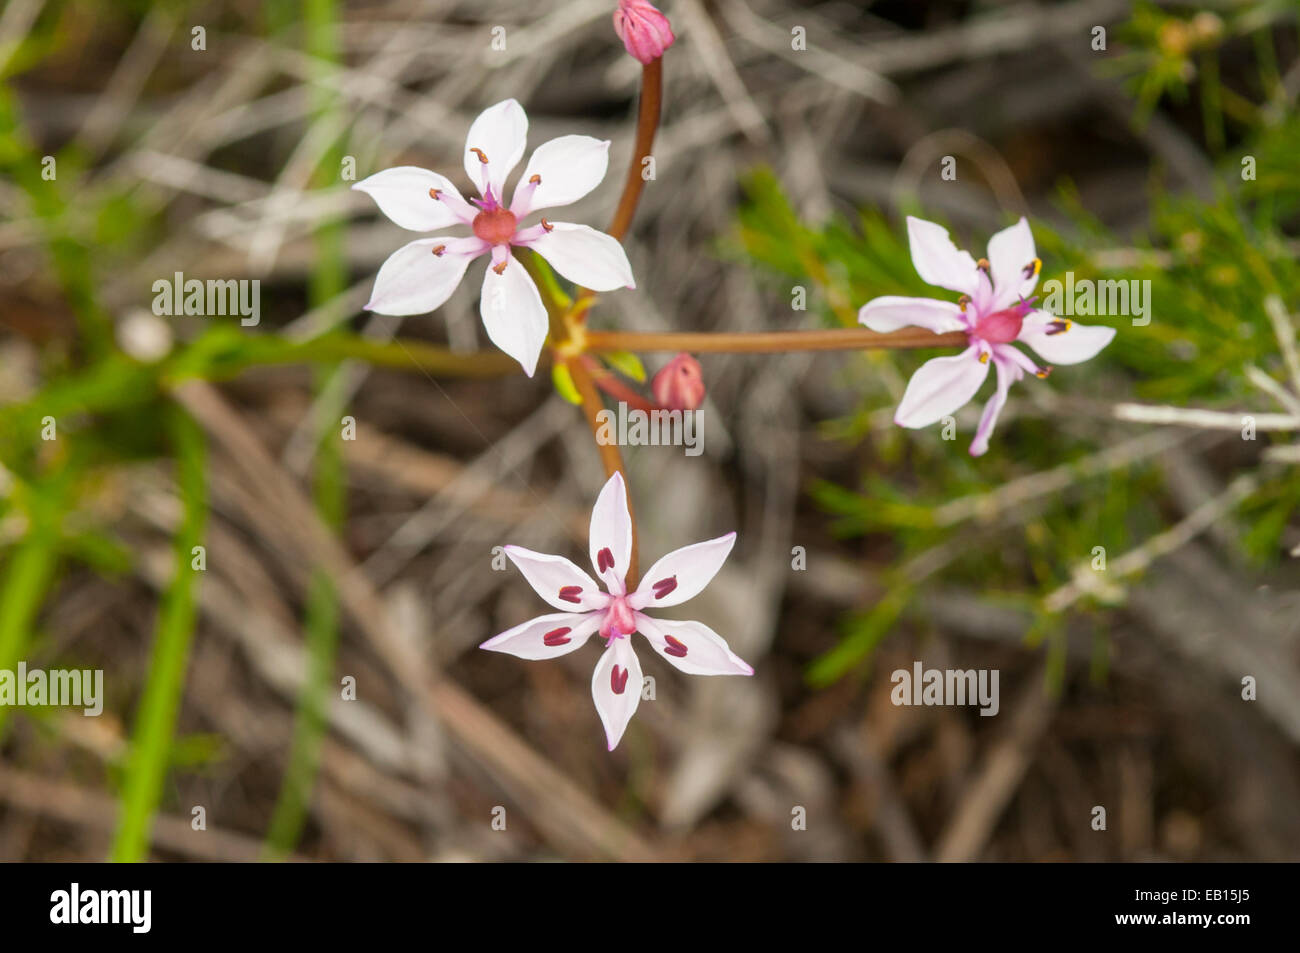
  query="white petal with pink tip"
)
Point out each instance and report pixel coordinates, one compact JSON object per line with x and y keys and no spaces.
{"x":557,"y":580}
{"x":616,"y":689}
{"x":610,"y":534}
{"x":692,"y":647}
{"x":681,"y":574}
{"x":547,"y":636}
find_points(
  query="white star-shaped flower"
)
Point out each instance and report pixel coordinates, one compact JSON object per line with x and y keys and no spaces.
{"x":420,"y":276}
{"x":692,"y":647}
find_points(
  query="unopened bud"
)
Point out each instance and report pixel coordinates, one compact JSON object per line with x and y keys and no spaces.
{"x":643,"y":29}
{"x":679,"y":385}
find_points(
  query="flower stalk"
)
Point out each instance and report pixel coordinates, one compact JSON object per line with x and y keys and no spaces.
{"x":755,"y":342}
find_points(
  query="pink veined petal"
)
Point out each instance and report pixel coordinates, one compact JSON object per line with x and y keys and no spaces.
{"x":547,"y":636}
{"x":402,"y":194}
{"x":585,"y":256}
{"x":500,"y":132}
{"x":512,"y":311}
{"x":616,"y":693}
{"x":940,"y":387}
{"x":1008,"y":374}
{"x":558,"y":581}
{"x":611,"y":534}
{"x":413,"y":280}
{"x":1010,"y":251}
{"x":567,"y":169}
{"x":691,"y":647}
{"x":1061,"y":340}
{"x":937,"y":260}
{"x":891,"y":312}
{"x":682,"y":574}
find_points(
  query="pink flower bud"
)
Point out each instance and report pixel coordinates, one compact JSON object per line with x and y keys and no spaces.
{"x":643,"y":29}
{"x":679,"y":385}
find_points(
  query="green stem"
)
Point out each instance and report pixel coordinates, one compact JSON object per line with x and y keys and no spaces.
{"x":155,"y":724}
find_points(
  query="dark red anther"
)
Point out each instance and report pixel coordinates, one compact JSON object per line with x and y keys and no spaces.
{"x":571,"y":594}
{"x":557,"y":636}
{"x":618,"y":680}
{"x":675,"y":647}
{"x":604,"y":560}
{"x":665,"y":586}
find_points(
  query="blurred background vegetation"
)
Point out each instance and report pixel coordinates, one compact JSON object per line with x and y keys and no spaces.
{"x":216,"y":138}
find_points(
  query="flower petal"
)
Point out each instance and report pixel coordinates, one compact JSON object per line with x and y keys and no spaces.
{"x":585,"y":256}
{"x":500,"y":132}
{"x":1062,"y":341}
{"x":1010,"y":251}
{"x":616,"y":688}
{"x":891,"y":312}
{"x":558,"y":581}
{"x":939,"y":387}
{"x":547,"y":636}
{"x":513,"y":313}
{"x":611,"y":534}
{"x":413,"y":280}
{"x":694,"y":648}
{"x":937,"y":260}
{"x":681,"y":574}
{"x":1008,"y":373}
{"x":403,"y":194}
{"x":567,"y":168}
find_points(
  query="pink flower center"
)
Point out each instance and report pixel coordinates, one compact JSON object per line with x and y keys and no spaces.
{"x":495,"y":225}
{"x":618,"y":620}
{"x":1001,"y":327}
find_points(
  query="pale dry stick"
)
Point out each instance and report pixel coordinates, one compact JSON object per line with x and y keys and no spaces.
{"x":1087,"y":580}
{"x":559,"y":808}
{"x":834,"y":68}
{"x":703,"y":39}
{"x":420,"y":471}
{"x":185,"y":175}
{"x":1011,"y":29}
{"x":15,"y":23}
{"x":1000,"y":775}
{"x":81,"y":807}
{"x":1202,"y":419}
{"x":985,"y":506}
{"x":476,"y":481}
{"x":276,"y":657}
{"x":564,"y":23}
{"x":128,"y":79}
{"x":993,"y":167}
{"x":1289,"y":401}
{"x":1285,"y":331}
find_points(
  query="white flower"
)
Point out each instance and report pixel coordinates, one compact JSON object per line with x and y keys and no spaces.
{"x":616,"y":685}
{"x":993,"y":311}
{"x":422,"y":275}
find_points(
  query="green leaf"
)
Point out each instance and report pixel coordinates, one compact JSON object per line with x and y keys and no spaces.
{"x":564,"y":385}
{"x":628,"y":364}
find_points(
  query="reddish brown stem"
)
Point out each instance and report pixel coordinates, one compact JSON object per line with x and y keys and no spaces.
{"x":609,"y":452}
{"x":647,"y":123}
{"x":830,"y":339}
{"x":611,"y":385}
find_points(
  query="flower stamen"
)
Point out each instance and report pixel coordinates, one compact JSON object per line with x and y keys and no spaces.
{"x":481,"y":156}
